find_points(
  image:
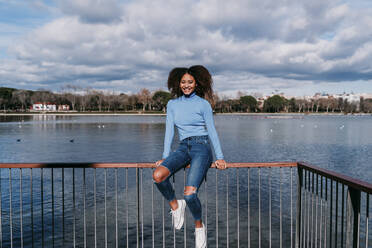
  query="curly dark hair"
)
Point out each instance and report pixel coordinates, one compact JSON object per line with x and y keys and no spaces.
{"x":202,"y":78}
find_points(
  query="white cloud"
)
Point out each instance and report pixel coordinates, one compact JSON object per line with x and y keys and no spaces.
{"x":278,"y":44}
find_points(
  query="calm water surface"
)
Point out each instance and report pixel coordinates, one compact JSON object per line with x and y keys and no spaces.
{"x":338,"y":143}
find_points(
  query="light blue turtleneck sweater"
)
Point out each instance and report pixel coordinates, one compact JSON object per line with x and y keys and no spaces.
{"x":192,"y":116}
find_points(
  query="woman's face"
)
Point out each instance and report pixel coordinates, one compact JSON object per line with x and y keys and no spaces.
{"x":187,"y":84}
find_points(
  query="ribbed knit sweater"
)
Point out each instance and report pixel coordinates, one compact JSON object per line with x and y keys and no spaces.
{"x":193,"y":116}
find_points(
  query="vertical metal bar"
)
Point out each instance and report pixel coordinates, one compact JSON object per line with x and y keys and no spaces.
{"x":227,"y":209}
{"x":137,"y":207}
{"x":342,"y":216}
{"x":249,"y":206}
{"x":163,"y":209}
{"x":174,"y":229}
{"x":316,"y":210}
{"x":237,"y":203}
{"x":270,"y":207}
{"x":1,"y":216}
{"x":330,"y":214}
{"x":291,"y":169}
{"x":84,"y":210}
{"x":127,"y":205}
{"x":116,"y":209}
{"x":141,"y":205}
{"x":321,"y":212}
{"x":308,"y":208}
{"x":216,"y":208}
{"x":259,"y":207}
{"x":304,"y":235}
{"x":353,"y":218}
{"x":206,"y":207}
{"x":185,"y":221}
{"x":299,"y":206}
{"x":312,"y":210}
{"x":325,"y":210}
{"x":42,"y":206}
{"x":336,"y":215}
{"x":95,"y":206}
{"x":74,"y":211}
{"x":63,"y":207}
{"x":20,"y":205}
{"x":281,"y":214}
{"x":106,"y":207}
{"x":52,"y":182}
{"x":367,"y":217}
{"x":152,"y":214}
{"x":10,"y":208}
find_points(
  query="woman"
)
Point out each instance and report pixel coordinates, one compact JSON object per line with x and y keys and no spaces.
{"x":192,"y":114}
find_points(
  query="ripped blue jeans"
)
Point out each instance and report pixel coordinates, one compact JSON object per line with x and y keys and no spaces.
{"x":197,"y":152}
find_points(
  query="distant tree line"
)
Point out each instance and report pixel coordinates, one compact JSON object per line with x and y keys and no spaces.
{"x":94,"y":100}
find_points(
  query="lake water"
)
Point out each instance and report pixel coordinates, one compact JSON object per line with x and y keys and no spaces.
{"x":338,"y":143}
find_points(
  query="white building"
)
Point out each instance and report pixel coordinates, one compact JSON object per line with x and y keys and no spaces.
{"x":38,"y":106}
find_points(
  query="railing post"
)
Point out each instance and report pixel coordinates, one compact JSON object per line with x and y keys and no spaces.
{"x":298,"y":205}
{"x":352,"y":218}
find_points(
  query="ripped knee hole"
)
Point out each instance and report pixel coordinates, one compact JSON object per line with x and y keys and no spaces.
{"x":189,"y":190}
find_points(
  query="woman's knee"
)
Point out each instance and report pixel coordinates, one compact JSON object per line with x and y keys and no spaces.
{"x":160,"y":174}
{"x":189,"y":193}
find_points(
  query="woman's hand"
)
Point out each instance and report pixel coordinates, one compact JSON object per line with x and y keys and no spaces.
{"x":157,"y":163}
{"x":220,"y":164}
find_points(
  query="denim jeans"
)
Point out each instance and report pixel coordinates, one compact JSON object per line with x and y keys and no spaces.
{"x":197,"y":152}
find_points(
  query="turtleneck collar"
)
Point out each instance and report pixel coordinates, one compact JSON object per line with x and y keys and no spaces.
{"x":187,"y":97}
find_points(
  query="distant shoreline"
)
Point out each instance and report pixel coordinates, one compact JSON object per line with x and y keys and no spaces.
{"x":163,"y":114}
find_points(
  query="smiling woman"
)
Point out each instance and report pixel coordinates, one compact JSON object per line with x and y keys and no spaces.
{"x":192,"y":114}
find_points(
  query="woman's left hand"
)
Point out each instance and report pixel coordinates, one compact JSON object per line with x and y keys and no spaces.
{"x":220,"y":164}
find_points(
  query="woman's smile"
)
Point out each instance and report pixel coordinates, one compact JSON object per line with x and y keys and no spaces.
{"x":187,"y":84}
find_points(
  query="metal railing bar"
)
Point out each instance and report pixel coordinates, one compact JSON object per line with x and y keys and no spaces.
{"x":74,"y":208}
{"x":316,"y":211}
{"x":348,"y":181}
{"x":42,"y":205}
{"x":174,"y":229}
{"x":138,"y":209}
{"x":227,"y":209}
{"x":84,"y":210}
{"x":216,"y":208}
{"x":237,"y":205}
{"x":336,"y":216}
{"x":331,"y":214}
{"x":141,"y":205}
{"x":321,"y":211}
{"x":249,"y":207}
{"x":105,"y":198}
{"x":325,"y":211}
{"x":185,"y":221}
{"x":367,"y":217}
{"x":10,"y":208}
{"x":116,"y":209}
{"x":163,"y":208}
{"x":1,"y":216}
{"x":95,"y":206}
{"x":152,"y":214}
{"x":127,"y":205}
{"x":270,"y":237}
{"x":308,"y":209}
{"x":299,"y":208}
{"x":206,"y":207}
{"x":20,"y":205}
{"x":138,"y":165}
{"x":280,"y":207}
{"x":63,"y":208}
{"x":342,"y":215}
{"x":312,"y":211}
{"x":291,"y":169}
{"x":259,"y":207}
{"x":52,"y":184}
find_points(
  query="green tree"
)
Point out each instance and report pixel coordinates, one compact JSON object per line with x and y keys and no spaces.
{"x":275,"y":103}
{"x":161,"y":99}
{"x":249,"y":103}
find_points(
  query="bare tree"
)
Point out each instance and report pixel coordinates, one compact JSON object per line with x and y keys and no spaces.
{"x":144,"y":97}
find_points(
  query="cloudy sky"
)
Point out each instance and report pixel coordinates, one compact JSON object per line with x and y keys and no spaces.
{"x":298,"y":47}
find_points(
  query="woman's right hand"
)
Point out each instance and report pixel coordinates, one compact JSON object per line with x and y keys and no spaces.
{"x":157,"y":163}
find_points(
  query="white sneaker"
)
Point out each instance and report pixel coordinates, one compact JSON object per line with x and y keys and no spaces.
{"x":200,"y":237}
{"x":178,"y":215}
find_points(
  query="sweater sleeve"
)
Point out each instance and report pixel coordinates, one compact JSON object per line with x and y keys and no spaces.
{"x":212,"y":133}
{"x":169,"y":131}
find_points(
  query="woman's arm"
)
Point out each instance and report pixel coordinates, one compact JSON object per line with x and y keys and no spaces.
{"x":169,"y":131}
{"x":212,"y":133}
